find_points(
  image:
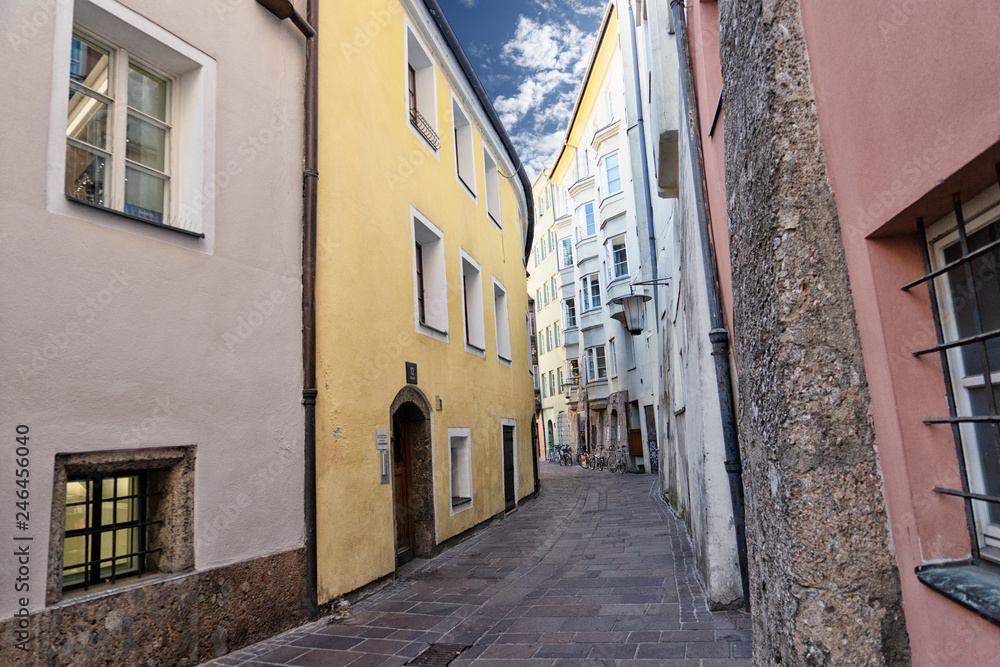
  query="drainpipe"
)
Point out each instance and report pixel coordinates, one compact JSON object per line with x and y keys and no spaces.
{"x":719,"y":335}
{"x":645,"y":161}
{"x":283,"y":9}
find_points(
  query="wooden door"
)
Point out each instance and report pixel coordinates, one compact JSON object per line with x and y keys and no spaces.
{"x":508,"y":467}
{"x":403,"y":479}
{"x":634,"y":431}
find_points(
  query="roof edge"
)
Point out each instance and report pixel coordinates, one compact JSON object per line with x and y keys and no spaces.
{"x":484,"y":99}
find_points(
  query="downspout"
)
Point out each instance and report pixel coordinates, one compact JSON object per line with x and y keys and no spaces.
{"x":719,"y":335}
{"x":283,"y":9}
{"x":645,"y":163}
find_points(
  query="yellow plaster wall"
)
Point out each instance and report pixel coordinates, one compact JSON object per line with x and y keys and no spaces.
{"x":598,"y":70}
{"x":372,"y":169}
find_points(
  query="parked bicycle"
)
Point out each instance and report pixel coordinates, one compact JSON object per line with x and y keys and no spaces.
{"x":564,"y":455}
{"x":598,"y":460}
{"x":617,"y":459}
{"x":583,"y":458}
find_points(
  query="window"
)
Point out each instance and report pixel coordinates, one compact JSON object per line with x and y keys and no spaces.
{"x":567,"y":253}
{"x":118,"y":133}
{"x":538,"y":298}
{"x":542,"y":246}
{"x":460,"y":462}
{"x":552,"y":241}
{"x":528,"y":337}
{"x":574,"y":371}
{"x":967,"y":300}
{"x":590,"y":292}
{"x":581,"y":164}
{"x":555,"y":293}
{"x":430,"y":296}
{"x":609,"y":103}
{"x":559,"y":379}
{"x":465,"y":163}
{"x":502,"y":325}
{"x":629,"y":352}
{"x":570,"y":313}
{"x":596,"y":364}
{"x":548,"y":338}
{"x":535,"y":252}
{"x":552,"y":384}
{"x":555,"y":329}
{"x":421,"y":104}
{"x":545,"y":293}
{"x":612,"y":175}
{"x":617,"y":258}
{"x":493,"y":189}
{"x":585,"y":220}
{"x":614,"y":358}
{"x":545,"y":389}
{"x":472,"y":305}
{"x":110,"y":516}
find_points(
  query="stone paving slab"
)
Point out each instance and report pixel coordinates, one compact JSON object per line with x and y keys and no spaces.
{"x":597,"y":571}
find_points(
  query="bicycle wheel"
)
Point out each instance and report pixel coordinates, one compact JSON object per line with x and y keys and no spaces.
{"x":623,"y":464}
{"x":600,"y":463}
{"x":592,"y":461}
{"x":581,"y":458}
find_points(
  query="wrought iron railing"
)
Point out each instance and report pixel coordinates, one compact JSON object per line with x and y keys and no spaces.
{"x":424,"y":128}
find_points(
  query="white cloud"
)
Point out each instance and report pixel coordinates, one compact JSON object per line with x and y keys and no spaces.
{"x":469,"y":3}
{"x":583,"y":7}
{"x":537,"y":151}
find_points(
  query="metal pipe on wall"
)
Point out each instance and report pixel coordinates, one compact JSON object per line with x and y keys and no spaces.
{"x":719,"y":335}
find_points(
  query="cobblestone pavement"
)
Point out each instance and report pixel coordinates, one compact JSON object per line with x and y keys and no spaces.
{"x":597,"y":571}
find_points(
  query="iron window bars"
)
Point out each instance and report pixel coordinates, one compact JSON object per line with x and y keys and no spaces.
{"x":111,"y":528}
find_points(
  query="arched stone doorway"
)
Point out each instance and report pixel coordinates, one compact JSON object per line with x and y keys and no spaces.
{"x":413,"y":466}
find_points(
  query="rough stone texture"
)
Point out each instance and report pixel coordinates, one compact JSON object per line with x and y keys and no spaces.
{"x":824,"y":584}
{"x":178,"y":622}
{"x":417,"y":409}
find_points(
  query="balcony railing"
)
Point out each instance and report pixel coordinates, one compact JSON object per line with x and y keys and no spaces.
{"x":424,"y":128}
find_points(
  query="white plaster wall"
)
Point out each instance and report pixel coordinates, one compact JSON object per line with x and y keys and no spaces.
{"x":151,"y":365}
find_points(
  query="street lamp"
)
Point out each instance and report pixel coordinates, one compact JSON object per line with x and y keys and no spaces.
{"x":634,"y":305}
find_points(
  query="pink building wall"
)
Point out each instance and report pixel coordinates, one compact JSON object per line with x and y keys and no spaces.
{"x":907,"y":98}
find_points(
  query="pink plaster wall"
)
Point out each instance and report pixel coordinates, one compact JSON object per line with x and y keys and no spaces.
{"x":703,"y":33}
{"x":907,"y":97}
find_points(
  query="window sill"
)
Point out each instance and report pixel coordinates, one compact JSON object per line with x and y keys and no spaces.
{"x":496,"y":223}
{"x":458,"y":501}
{"x":136,"y":218}
{"x":475,"y":349}
{"x":77,"y":596}
{"x":468,"y":189}
{"x":505,"y":361}
{"x":974,"y":584}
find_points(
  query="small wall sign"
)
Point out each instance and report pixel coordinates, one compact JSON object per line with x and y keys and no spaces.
{"x":382,"y":440}
{"x":411,"y":373}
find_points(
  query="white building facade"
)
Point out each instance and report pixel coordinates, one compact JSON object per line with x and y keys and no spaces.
{"x":150,"y":244}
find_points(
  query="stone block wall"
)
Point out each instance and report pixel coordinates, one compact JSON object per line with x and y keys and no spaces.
{"x":824,"y":584}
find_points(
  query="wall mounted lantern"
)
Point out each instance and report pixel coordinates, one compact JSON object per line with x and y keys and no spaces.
{"x":634,"y":305}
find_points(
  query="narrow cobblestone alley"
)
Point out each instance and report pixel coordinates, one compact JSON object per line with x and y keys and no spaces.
{"x":597,"y":571}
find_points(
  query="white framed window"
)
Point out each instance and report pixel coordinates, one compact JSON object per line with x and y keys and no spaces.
{"x":421,"y":91}
{"x":460,"y":468}
{"x":545,"y":293}
{"x":465,"y":161}
{"x":501,"y":324}
{"x":430,"y":286}
{"x":559,"y":379}
{"x":612,"y":175}
{"x":613,"y":358}
{"x":590,"y":292}
{"x":617,"y":258}
{"x":552,"y":383}
{"x":131,"y":139}
{"x":538,"y":298}
{"x":969,"y":306}
{"x":555,"y":293}
{"x":573,"y":369}
{"x":596,"y":364}
{"x":567,"y":252}
{"x":570,"y":312}
{"x":555,"y":329}
{"x":585,"y":220}
{"x":492,"y":175}
{"x":527,"y":337}
{"x":548,"y":338}
{"x":542,"y":246}
{"x":535,"y":252}
{"x":472,"y":304}
{"x":629,"y":352}
{"x":545,"y":389}
{"x":581,"y":164}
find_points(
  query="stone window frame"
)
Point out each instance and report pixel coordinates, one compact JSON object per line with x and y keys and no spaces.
{"x":171,"y":481}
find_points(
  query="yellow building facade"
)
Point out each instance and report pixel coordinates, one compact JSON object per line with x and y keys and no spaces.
{"x":425,"y":398}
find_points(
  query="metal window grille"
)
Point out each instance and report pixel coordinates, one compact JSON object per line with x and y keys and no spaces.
{"x":970,"y":268}
{"x":424,"y":127}
{"x":111,"y":528}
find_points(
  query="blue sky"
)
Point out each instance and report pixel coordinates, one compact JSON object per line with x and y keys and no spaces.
{"x":531,"y":56}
